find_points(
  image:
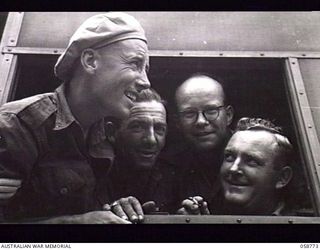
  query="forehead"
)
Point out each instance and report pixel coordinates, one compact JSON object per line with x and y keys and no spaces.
{"x":148,"y":110}
{"x":127,"y":47}
{"x":261,"y":142}
{"x":200,"y":91}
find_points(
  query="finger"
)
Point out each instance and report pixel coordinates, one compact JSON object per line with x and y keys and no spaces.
{"x":189,"y":205}
{"x":204,"y":208}
{"x":137,"y":207}
{"x":8,"y":189}
{"x":182,"y":211}
{"x":115,"y":219}
{"x":10,"y":182}
{"x":119,"y":212}
{"x":149,"y":207}
{"x":4,"y":196}
{"x":128,"y":209}
{"x":199,"y":199}
{"x":106,"y":207}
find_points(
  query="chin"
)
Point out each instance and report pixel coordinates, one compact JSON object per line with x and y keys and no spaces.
{"x":144,"y":166}
{"x":205,"y":146}
{"x":236,"y":196}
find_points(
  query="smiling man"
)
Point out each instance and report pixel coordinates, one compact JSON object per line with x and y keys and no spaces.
{"x":255,"y":172}
{"x":52,"y":141}
{"x":137,"y":173}
{"x":204,"y":117}
{"x":256,"y":168}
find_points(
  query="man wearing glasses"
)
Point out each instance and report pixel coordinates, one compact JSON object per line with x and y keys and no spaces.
{"x":204,"y":119}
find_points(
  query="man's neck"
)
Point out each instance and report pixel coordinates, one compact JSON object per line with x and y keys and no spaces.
{"x":81,"y":106}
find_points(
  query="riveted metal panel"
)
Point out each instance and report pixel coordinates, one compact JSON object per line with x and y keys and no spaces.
{"x":305,"y":127}
{"x":227,"y":219}
{"x":211,"y":31}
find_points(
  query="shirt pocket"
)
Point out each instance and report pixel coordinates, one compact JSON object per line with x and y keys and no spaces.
{"x":67,"y":178}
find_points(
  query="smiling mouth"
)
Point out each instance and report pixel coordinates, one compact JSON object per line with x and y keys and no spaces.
{"x":147,"y":154}
{"x":131,"y":95}
{"x":203,"y":134}
{"x":237,"y":184}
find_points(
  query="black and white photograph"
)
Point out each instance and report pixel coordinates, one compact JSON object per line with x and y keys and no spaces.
{"x":160,"y":117}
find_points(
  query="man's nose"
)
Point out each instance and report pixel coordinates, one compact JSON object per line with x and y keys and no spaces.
{"x":235,"y":166}
{"x":150,"y":138}
{"x":143,"y":83}
{"x":201,"y":120}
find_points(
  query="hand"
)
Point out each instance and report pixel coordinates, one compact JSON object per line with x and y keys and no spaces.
{"x":8,"y":187}
{"x":128,"y":208}
{"x":194,"y":206}
{"x":101,"y":217}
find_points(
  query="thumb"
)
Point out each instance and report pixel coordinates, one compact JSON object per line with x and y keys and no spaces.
{"x":149,"y":207}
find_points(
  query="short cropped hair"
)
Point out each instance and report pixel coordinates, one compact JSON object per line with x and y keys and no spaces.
{"x":285,"y":147}
{"x":207,"y":75}
{"x":148,"y":95}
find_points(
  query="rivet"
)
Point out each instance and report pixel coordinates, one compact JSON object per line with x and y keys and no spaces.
{"x":188,"y":220}
{"x":12,"y":40}
{"x":9,"y":50}
{"x":309,"y":126}
{"x":290,"y":221}
{"x":261,"y":54}
{"x":180,"y":53}
{"x":301,"y":93}
{"x":303,"y":54}
{"x":7,"y":60}
{"x":220,"y":54}
{"x":293,"y":63}
{"x":239,"y":221}
{"x":55,"y":51}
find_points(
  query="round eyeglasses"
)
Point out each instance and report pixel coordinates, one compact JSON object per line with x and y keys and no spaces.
{"x":191,"y":115}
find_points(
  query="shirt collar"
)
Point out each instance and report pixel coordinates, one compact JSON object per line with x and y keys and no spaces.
{"x":99,"y":146}
{"x":64,"y":115}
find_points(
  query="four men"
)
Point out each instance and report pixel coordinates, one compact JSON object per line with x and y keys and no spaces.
{"x":59,"y":147}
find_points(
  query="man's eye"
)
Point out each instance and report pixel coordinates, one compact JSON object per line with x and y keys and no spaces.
{"x":212,"y":111}
{"x":160,"y":129}
{"x":189,"y":114}
{"x":229,"y":157}
{"x":137,"y":64}
{"x":252,"y":162}
{"x":135,"y":127}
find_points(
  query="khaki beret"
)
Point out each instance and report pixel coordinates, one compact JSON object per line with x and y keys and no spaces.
{"x":96,"y":32}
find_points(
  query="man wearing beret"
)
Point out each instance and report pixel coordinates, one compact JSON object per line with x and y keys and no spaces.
{"x":52,"y":142}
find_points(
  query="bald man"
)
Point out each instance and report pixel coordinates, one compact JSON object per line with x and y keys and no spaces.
{"x":204,"y":118}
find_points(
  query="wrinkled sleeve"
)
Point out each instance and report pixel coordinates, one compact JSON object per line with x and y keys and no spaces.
{"x":18,"y":148}
{"x":18,"y":151}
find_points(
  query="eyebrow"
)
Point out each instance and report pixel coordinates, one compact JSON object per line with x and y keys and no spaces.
{"x":251,"y":154}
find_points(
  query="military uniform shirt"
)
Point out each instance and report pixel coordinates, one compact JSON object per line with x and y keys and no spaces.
{"x":42,"y":144}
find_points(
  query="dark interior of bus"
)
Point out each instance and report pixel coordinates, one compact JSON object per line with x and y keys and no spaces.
{"x":255,"y":88}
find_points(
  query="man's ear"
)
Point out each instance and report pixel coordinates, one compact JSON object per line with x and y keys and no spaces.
{"x":230,"y":113}
{"x":284,"y":177}
{"x":89,"y":60}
